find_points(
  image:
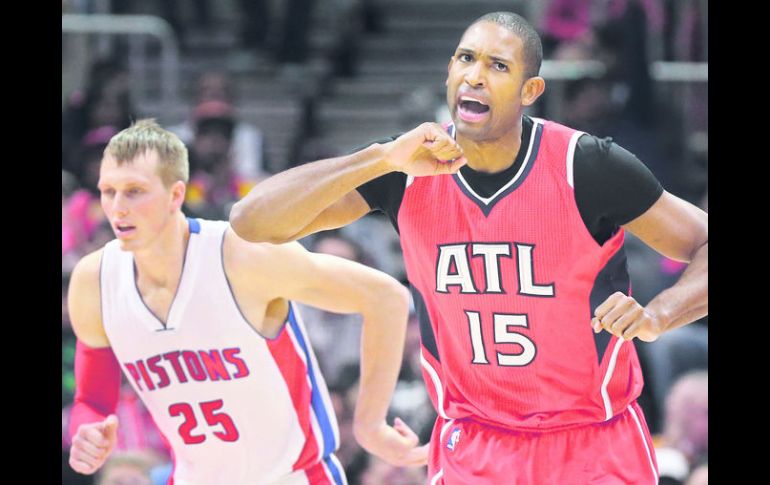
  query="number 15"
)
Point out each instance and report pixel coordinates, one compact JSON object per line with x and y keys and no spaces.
{"x":502,"y":335}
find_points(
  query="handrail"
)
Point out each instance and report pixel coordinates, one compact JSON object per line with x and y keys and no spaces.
{"x":659,"y":70}
{"x":135,"y":25}
{"x":567,"y":70}
{"x":680,"y":71}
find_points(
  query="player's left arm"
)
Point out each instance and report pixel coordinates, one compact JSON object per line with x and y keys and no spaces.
{"x":342,"y":286}
{"x":678,"y":230}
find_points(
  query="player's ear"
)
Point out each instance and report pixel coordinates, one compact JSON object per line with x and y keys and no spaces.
{"x":532,"y":89}
{"x":178,"y":191}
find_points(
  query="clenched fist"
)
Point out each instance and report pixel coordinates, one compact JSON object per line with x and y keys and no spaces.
{"x":92,"y":444}
{"x":426,"y":150}
{"x":625,"y":318}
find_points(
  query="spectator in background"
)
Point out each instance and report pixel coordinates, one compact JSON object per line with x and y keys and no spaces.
{"x":105,"y":101}
{"x":624,"y":103}
{"x":127,"y":469}
{"x":89,"y":154}
{"x":83,"y":223}
{"x":645,"y":124}
{"x":684,"y":443}
{"x":564,"y":21}
{"x":687,"y":408}
{"x":75,"y":221}
{"x":699,"y":476}
{"x":214,"y":181}
{"x":248,"y":145}
{"x":587,"y":106}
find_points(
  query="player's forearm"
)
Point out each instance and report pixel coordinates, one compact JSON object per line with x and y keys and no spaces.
{"x":382,"y":348}
{"x":687,"y":300}
{"x":97,"y":385}
{"x":280,"y":207}
{"x":82,"y":413}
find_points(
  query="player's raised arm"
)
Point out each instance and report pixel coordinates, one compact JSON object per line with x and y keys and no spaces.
{"x":321,"y":195}
{"x":338,"y":285}
{"x":93,"y":427}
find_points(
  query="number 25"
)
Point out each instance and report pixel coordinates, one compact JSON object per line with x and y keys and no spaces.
{"x":230,"y":432}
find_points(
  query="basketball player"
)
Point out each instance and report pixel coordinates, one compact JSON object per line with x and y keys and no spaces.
{"x":203,"y":325}
{"x":512,"y":233}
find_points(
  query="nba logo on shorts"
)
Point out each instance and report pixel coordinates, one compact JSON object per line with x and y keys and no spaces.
{"x":453,"y":439}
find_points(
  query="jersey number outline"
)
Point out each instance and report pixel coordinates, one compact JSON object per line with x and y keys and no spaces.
{"x":229,"y":434}
{"x":502,"y":335}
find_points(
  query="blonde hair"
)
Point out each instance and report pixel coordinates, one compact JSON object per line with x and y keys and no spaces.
{"x":147,"y":135}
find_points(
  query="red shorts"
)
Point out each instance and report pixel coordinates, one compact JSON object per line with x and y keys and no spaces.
{"x":618,"y":451}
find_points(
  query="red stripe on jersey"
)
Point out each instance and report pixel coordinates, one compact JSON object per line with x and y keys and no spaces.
{"x":626,"y":380}
{"x":294,"y":372}
{"x":316,"y":475}
{"x":433,"y":376}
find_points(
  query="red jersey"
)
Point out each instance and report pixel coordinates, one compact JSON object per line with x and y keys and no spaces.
{"x":505,"y":288}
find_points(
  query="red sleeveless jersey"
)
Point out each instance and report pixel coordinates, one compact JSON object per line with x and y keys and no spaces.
{"x":505,"y":288}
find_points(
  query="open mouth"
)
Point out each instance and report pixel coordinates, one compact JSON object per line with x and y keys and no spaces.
{"x":471,"y":109}
{"x":124,"y":229}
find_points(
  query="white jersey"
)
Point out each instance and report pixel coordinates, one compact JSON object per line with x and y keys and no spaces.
{"x":237,"y":408}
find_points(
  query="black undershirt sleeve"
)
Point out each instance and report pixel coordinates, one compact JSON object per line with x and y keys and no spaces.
{"x":612,"y":186}
{"x":384,"y":193}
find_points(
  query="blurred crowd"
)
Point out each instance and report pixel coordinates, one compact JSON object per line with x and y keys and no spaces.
{"x":228,"y":157}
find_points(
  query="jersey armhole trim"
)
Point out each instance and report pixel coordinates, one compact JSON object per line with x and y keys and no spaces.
{"x":234,"y":300}
{"x":571,"y":158}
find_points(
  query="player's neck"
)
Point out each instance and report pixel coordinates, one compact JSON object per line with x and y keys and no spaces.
{"x":160,"y":264}
{"x":492,"y":156}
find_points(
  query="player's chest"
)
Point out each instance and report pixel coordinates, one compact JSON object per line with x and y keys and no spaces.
{"x":157,"y":300}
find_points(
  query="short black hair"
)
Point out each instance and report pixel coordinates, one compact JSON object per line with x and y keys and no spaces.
{"x":533,"y":47}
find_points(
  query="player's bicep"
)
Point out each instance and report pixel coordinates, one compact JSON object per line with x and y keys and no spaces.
{"x":335,"y":284}
{"x":349,"y":208}
{"x":673,"y":227}
{"x":84,"y":302}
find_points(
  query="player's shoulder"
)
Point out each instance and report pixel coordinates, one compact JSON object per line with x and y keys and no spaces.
{"x":84,"y":300}
{"x":207,"y":228}
{"x":86,"y":271}
{"x":246,"y":254}
{"x":559,"y":130}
